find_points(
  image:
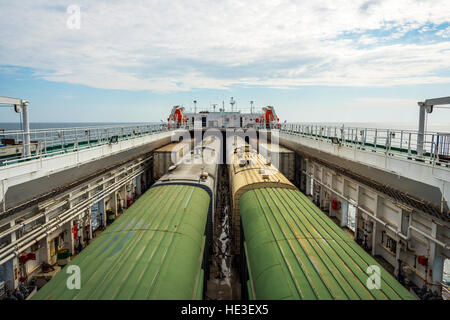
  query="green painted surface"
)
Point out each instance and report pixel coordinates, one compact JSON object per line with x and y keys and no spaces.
{"x":153,"y":251}
{"x":294,"y":251}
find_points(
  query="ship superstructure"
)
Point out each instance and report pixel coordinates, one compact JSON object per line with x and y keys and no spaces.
{"x":222,"y":118}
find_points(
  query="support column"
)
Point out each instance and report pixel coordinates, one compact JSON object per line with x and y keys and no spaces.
{"x":114,"y":203}
{"x":138,"y":185}
{"x":376,"y":226}
{"x":420,"y":135}
{"x":344,"y":213}
{"x":102,"y":211}
{"x":125,"y":194}
{"x":10,"y":269}
{"x":89,"y":212}
{"x":358,"y":220}
{"x":298,"y":172}
{"x":69,"y":243}
{"x":397,"y":257}
{"x":12,"y":266}
{"x":119,"y":201}
{"x":3,"y":188}
{"x":26,"y":147}
{"x":308,"y":179}
{"x":436,"y":261}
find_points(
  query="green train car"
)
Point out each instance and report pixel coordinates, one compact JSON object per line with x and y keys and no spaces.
{"x":158,"y":249}
{"x":290,"y":249}
{"x":293,"y":250}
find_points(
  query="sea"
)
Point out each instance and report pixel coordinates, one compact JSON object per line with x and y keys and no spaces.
{"x":60,"y":125}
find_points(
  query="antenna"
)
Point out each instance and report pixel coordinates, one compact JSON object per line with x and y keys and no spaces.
{"x":195,"y":106}
{"x":251,"y":106}
{"x":232,"y":102}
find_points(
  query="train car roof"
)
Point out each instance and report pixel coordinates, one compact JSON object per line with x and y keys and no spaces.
{"x":295,"y":251}
{"x":153,"y":251}
{"x":250,"y":170}
{"x":198,"y":167}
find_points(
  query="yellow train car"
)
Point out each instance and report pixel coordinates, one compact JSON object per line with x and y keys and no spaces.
{"x":249,"y":170}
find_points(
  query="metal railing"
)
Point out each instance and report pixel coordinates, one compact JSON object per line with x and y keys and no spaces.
{"x":50,"y":142}
{"x":230,"y":125}
{"x":226,"y":109}
{"x":392,"y":142}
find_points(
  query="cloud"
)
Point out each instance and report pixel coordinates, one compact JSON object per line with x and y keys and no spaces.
{"x":444,"y":33}
{"x":167,"y":46}
{"x":366,"y":109}
{"x":383,"y":102}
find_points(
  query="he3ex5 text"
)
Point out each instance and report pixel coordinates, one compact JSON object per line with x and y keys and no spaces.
{"x":246,"y":309}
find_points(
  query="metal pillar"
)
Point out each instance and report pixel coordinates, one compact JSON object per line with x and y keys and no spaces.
{"x":421,"y":133}
{"x":26,"y":143}
{"x":344,"y":213}
{"x":436,"y":262}
{"x":426,"y":106}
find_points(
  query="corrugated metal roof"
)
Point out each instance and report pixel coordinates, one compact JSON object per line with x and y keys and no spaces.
{"x":153,"y":251}
{"x":294,"y":251}
{"x":255,"y":170}
{"x":257,"y":173}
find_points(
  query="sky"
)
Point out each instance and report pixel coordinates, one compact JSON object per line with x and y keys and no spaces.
{"x":315,"y":61}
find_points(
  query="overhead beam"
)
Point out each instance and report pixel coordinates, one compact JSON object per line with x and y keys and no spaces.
{"x":436,"y":101}
{"x":8,"y":100}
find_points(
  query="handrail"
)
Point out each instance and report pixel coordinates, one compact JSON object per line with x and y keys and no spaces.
{"x":391,"y":142}
{"x":55,"y":141}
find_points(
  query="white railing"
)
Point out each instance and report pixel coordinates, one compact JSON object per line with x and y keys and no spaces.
{"x":393,"y":142}
{"x":50,"y":142}
{"x":256,"y":126}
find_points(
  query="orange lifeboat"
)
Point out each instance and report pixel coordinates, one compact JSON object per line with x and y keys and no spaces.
{"x":177,"y":118}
